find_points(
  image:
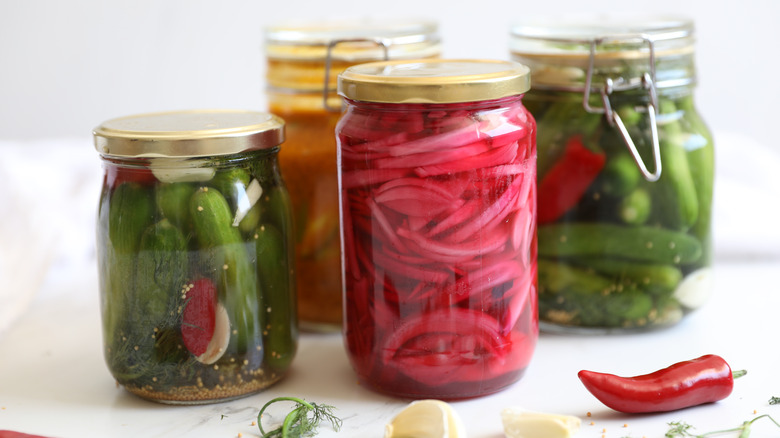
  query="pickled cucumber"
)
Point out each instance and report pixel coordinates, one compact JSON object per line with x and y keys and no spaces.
{"x":274,"y":270}
{"x":572,"y":295}
{"x":677,"y":200}
{"x":173,"y":201}
{"x":643,"y":243}
{"x":236,"y":276}
{"x":160,"y":269}
{"x":129,"y":210}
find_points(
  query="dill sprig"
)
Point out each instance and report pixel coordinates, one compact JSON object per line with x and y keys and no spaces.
{"x":301,"y":421}
{"x":678,"y":429}
{"x":681,"y":429}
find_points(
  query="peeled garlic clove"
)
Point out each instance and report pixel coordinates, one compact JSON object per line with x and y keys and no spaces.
{"x":219,"y":340}
{"x":247,"y":200}
{"x":171,"y":171}
{"x":695,"y":288}
{"x":426,"y":419}
{"x":520,"y":423}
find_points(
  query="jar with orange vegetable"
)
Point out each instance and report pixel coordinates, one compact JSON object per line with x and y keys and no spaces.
{"x":303,"y":62}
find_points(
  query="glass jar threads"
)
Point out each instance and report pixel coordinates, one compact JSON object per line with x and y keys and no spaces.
{"x":195,"y":255}
{"x":303,"y":62}
{"x":625,"y":173}
{"x":438,"y":204}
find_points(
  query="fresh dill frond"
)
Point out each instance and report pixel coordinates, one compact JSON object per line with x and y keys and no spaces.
{"x":301,"y":421}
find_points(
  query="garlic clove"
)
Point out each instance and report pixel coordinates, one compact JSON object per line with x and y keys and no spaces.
{"x":695,"y":288}
{"x":165,"y":172}
{"x":246,"y":200}
{"x":219,"y":340}
{"x":520,"y":423}
{"x":426,"y":419}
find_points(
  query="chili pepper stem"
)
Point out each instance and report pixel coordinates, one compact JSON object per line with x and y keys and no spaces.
{"x":738,"y":373}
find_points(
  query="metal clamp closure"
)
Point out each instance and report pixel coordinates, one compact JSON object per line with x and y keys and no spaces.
{"x":383,"y":43}
{"x":646,"y":82}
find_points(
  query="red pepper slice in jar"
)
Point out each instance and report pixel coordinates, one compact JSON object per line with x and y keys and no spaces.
{"x":694,"y":382}
{"x":198,"y":318}
{"x":563,"y":185}
{"x":116,"y":175}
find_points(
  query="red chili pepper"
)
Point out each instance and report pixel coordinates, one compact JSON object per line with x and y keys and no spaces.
{"x":117,"y":174}
{"x":198,"y":318}
{"x":564,"y":184}
{"x":690,"y":383}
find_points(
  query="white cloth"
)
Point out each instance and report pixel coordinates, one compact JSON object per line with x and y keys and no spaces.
{"x":49,"y":193}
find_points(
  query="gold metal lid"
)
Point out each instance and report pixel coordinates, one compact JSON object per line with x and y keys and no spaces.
{"x":434,"y":81}
{"x":191,"y":133}
{"x":359,"y":39}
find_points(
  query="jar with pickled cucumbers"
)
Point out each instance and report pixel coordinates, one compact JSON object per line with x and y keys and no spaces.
{"x":625,"y":173}
{"x":437,"y":166}
{"x":195,"y":255}
{"x":303,"y":62}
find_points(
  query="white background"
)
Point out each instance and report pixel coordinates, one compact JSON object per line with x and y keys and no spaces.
{"x":68,"y":65}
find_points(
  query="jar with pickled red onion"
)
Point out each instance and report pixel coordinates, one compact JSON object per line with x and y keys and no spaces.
{"x":437,"y":176}
{"x":304,"y":59}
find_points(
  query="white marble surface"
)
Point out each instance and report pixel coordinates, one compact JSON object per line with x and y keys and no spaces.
{"x":53,"y":380}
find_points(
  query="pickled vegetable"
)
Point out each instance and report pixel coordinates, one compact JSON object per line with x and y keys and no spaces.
{"x":438,"y":207}
{"x":615,"y":255}
{"x":308,"y":162}
{"x":190,"y":315}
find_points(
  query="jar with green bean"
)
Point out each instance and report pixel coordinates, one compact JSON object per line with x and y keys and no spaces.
{"x":195,"y":255}
{"x":625,"y":173}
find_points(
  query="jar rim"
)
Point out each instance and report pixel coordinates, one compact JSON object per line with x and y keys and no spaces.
{"x":188,"y":133}
{"x":434,"y":81}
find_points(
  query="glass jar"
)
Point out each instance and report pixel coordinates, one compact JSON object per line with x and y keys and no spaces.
{"x":195,"y":255}
{"x":438,"y":204}
{"x":625,"y":173}
{"x":303,"y":62}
